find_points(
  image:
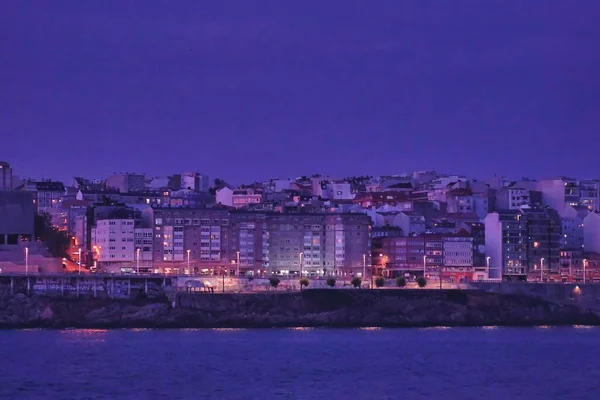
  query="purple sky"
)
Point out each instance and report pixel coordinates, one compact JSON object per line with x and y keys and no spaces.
{"x":250,"y":90}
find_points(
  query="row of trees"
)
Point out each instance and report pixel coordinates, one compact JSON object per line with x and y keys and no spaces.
{"x":355,"y":282}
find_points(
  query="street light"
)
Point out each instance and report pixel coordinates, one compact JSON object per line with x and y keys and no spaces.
{"x":364,"y":266}
{"x":188,"y":263}
{"x":487,"y":263}
{"x":137,"y":254}
{"x":584,"y":262}
{"x":237,"y":265}
{"x":79,"y":252}
{"x":424,"y":265}
{"x":300,"y":255}
{"x":26,"y":260}
{"x":542,"y":269}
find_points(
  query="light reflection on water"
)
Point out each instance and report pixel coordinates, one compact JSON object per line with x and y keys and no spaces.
{"x":437,"y":328}
{"x":584,"y":326}
{"x":173,"y":363}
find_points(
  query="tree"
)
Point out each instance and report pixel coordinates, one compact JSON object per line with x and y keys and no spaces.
{"x":304,"y":283}
{"x":57,"y":242}
{"x":422,"y":282}
{"x":401,"y":281}
{"x":274,"y":281}
{"x":331,"y":282}
{"x":379,"y":281}
{"x":356,"y":282}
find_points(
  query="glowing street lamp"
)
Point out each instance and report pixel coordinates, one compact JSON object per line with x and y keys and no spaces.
{"x":188,"y":262}
{"x":137,"y":256}
{"x":542,"y":269}
{"x":26,"y":260}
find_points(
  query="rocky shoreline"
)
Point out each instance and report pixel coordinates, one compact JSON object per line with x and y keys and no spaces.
{"x":310,"y":308}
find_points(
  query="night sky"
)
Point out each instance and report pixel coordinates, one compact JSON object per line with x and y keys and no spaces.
{"x":247,"y":90}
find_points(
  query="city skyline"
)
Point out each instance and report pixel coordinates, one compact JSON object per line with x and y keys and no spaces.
{"x":237,"y":91}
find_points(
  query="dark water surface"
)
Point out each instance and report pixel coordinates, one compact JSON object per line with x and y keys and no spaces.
{"x":458,"y":363}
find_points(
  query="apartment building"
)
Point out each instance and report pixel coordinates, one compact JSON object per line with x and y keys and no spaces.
{"x":197,"y":234}
{"x":319,"y":244}
{"x":249,"y":243}
{"x":428,"y":254}
{"x":47,"y":194}
{"x":589,"y":194}
{"x":559,"y":193}
{"x":522,"y":242}
{"x":113,"y":240}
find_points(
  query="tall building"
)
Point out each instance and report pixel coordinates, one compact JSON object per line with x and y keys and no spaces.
{"x":520,"y":243}
{"x":318,"y":244}
{"x":202,"y":234}
{"x":591,"y":232}
{"x":428,"y":254}
{"x":249,"y":242}
{"x":6,"y":178}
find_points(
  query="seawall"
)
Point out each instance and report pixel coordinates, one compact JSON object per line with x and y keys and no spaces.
{"x":584,"y":296}
{"x":315,"y":308}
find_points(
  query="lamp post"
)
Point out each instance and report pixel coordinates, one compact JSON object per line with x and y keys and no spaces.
{"x":237,"y":263}
{"x":584,"y":262}
{"x":79,"y":252}
{"x":542,"y":269}
{"x":224,"y":272}
{"x":137,"y":256}
{"x":364,"y":266}
{"x":26,"y":260}
{"x":188,"y":263}
{"x":300,"y":255}
{"x":424,"y":265}
{"x":487,"y":263}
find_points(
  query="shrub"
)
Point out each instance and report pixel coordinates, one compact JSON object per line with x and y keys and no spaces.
{"x":401,"y":281}
{"x":331,"y":282}
{"x":356,"y":282}
{"x":250,"y":278}
{"x":274,"y":281}
{"x":421,"y":281}
{"x":304,"y":283}
{"x":379,"y":281}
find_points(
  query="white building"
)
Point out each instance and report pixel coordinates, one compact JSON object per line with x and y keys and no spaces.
{"x":113,"y":241}
{"x":338,"y":191}
{"x":224,"y":196}
{"x":559,"y":193}
{"x":410,"y":223}
{"x":571,"y":228}
{"x":591,"y":232}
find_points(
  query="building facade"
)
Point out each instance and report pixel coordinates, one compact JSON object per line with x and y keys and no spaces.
{"x":6,"y":177}
{"x":523,"y":244}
